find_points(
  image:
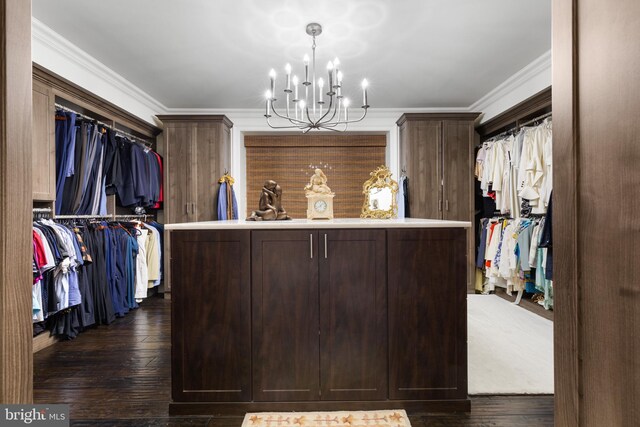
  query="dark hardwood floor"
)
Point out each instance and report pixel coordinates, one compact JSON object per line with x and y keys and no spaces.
{"x":120,"y":376}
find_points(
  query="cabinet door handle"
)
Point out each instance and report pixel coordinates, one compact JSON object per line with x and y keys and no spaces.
{"x":446,"y":205}
{"x":311,"y":245}
{"x":440,"y":205}
{"x":193,"y":208}
{"x":325,"y":246}
{"x":186,"y":208}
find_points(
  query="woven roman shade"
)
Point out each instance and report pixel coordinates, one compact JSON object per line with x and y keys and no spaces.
{"x":290,"y":160}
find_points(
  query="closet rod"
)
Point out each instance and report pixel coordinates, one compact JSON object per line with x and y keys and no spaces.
{"x":37,"y":210}
{"x":144,"y":216}
{"x":117,"y":131}
{"x":518,"y":126}
{"x":81,"y":216}
{"x":544,"y":116}
{"x":84,"y":116}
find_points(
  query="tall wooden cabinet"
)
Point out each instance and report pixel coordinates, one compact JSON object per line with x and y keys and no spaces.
{"x":197,"y":150}
{"x":436,"y":153}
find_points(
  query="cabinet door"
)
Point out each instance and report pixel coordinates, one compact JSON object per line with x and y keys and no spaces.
{"x":459,"y":205}
{"x":177,"y":169}
{"x":353,"y":315}
{"x":43,"y":155}
{"x":427,"y":314}
{"x":210,"y":158}
{"x":285,"y":315}
{"x":458,"y":171}
{"x":420,"y":148}
{"x":211,"y":316}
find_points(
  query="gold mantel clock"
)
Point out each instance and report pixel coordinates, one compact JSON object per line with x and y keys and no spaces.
{"x":319,"y":197}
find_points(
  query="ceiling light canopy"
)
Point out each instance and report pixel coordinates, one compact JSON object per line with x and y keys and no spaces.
{"x":306,"y":111}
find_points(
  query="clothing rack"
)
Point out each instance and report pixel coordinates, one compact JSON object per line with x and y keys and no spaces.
{"x":528,"y":122}
{"x":39,"y":213}
{"x":518,"y":126}
{"x":82,"y":216}
{"x":111,"y":216}
{"x":143,"y":216}
{"x":117,"y":131}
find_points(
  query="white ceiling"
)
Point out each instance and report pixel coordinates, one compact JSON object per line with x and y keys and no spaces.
{"x":217,"y":54}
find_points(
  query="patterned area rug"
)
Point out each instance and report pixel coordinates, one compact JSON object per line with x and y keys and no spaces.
{"x":392,"y":418}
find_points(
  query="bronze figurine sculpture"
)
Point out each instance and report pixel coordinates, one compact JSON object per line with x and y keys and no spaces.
{"x":270,"y":206}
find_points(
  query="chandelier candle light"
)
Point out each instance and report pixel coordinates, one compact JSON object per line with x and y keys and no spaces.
{"x":309,"y":112}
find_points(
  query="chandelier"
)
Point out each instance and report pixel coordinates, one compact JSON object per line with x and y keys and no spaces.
{"x":304,"y":108}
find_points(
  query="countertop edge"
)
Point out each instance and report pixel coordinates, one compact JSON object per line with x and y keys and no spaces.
{"x":317,"y":224}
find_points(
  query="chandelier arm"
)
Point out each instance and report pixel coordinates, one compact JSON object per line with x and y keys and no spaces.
{"x":328,"y":111}
{"x":334,"y":112}
{"x":355,"y":121}
{"x":332,"y":129}
{"x":291,"y":119}
{"x":283,"y":127}
{"x":309,"y":117}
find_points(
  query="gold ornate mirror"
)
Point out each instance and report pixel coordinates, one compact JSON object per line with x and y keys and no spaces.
{"x":380,"y":195}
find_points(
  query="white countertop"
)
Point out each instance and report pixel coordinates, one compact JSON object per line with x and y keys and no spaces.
{"x":305,"y":223}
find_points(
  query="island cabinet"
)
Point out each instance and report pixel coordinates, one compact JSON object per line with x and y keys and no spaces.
{"x":319,"y":315}
{"x":211,"y":316}
{"x":427,"y":314}
{"x":318,"y":318}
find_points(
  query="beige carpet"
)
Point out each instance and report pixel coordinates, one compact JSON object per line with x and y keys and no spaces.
{"x":510,"y":348}
{"x":392,"y":418}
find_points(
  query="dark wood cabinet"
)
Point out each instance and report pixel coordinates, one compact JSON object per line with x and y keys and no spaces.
{"x":427,"y":314}
{"x":353,"y":314}
{"x":285,"y":315}
{"x":436,"y":152}
{"x":197,"y":151}
{"x":211,"y":316}
{"x":177,"y":181}
{"x":319,"y":315}
{"x":303,"y":319}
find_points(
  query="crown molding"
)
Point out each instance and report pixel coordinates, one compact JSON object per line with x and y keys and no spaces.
{"x":252,"y":113}
{"x":64,"y":48}
{"x":538,"y":66}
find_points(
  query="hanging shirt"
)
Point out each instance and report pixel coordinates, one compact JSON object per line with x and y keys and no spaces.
{"x":142,"y":271}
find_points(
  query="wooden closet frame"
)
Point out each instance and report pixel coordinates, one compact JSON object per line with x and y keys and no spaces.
{"x":513,"y":118}
{"x":530,"y":108}
{"x":83,"y":101}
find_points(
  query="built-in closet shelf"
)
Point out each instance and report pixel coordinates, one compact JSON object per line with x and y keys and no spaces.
{"x":43,"y":341}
